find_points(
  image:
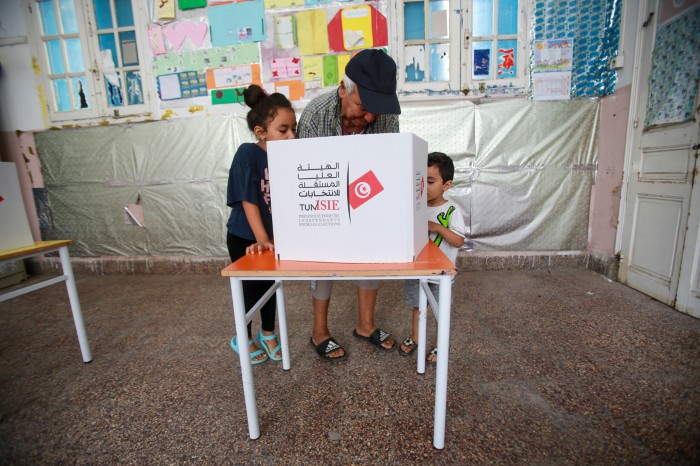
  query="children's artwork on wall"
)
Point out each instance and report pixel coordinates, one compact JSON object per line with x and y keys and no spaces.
{"x":199,"y":60}
{"x":191,"y":4}
{"x":313,"y":72}
{"x":233,"y":76}
{"x":238,"y":54}
{"x":507,"y":58}
{"x":553,"y":55}
{"x":285,"y":32}
{"x":165,"y":9}
{"x":330,"y":70}
{"x":227,"y":96}
{"x":182,"y":85}
{"x":285,"y":67}
{"x":482,"y":62}
{"x":237,"y":22}
{"x":357,"y":28}
{"x":178,"y":32}
{"x":156,"y":39}
{"x":167,"y":63}
{"x":270,"y":4}
{"x":312,"y":32}
{"x":293,"y":90}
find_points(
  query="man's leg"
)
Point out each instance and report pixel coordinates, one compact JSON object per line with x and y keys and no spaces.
{"x":320,"y":330}
{"x":367,"y":298}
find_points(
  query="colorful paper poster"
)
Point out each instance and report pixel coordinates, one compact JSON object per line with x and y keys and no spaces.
{"x":286,"y":67}
{"x":156,"y":40}
{"x":269,"y":4}
{"x":293,"y":90}
{"x":330,"y":70}
{"x":553,"y":55}
{"x":237,"y":22}
{"x":182,"y":85}
{"x":166,"y":64}
{"x":165,"y":9}
{"x":238,"y":54}
{"x":313,"y":72}
{"x":285,"y":32}
{"x":343,"y":60}
{"x":551,"y":86}
{"x":482,"y":63}
{"x":194,"y":60}
{"x":227,"y":96}
{"x":177,"y":32}
{"x":312,"y":32}
{"x":233,"y":76}
{"x":190,"y":4}
{"x":358,"y":27}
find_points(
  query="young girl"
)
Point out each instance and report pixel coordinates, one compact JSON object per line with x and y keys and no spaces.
{"x":270,"y":118}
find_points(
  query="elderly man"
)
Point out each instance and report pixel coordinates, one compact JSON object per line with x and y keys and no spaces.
{"x":364,"y":103}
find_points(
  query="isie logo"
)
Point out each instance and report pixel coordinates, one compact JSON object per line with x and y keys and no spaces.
{"x":321,"y":205}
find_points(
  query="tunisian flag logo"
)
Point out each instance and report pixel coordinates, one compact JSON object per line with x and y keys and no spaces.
{"x":363,"y":189}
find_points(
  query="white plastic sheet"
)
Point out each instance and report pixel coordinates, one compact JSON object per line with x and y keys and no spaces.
{"x":524,"y":172}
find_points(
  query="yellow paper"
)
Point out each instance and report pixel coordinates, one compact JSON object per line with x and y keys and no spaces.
{"x":357,"y":27}
{"x":282,"y":3}
{"x":342,"y":61}
{"x":166,"y":9}
{"x":312,"y":32}
{"x":313,"y":72}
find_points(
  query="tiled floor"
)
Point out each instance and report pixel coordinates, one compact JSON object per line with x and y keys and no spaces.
{"x":555,"y":366}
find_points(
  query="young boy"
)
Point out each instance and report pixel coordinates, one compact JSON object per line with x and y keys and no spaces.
{"x":445,"y":228}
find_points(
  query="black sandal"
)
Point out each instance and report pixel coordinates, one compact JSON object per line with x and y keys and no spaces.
{"x":328,"y":346}
{"x":377,"y":337}
{"x":412,"y":345}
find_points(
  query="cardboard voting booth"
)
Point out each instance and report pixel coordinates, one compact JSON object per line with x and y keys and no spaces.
{"x":356,"y":199}
{"x":14,"y":226}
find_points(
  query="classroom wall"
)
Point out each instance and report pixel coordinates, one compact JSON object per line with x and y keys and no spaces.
{"x":20,"y":85}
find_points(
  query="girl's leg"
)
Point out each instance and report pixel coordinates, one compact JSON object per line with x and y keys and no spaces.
{"x":236,"y":249}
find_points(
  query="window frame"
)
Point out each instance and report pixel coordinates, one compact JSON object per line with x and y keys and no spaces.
{"x":461,"y":50}
{"x":99,"y":109}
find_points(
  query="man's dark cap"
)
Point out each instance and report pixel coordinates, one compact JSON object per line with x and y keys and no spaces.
{"x":374,"y":73}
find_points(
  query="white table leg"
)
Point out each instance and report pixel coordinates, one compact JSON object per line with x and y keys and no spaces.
{"x":75,"y":304}
{"x":282,"y":320}
{"x":443,"y":355}
{"x":422,"y":327}
{"x":239,"y":316}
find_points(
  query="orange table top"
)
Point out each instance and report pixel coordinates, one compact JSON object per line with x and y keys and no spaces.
{"x":431,"y":261}
{"x":36,"y":248}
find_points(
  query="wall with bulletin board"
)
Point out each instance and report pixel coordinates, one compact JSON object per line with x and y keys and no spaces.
{"x":205,"y":52}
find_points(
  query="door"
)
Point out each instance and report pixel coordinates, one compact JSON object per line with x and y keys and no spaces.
{"x":659,"y":248}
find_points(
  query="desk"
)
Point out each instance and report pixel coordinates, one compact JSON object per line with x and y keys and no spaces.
{"x":44,"y":247}
{"x":430,"y":264}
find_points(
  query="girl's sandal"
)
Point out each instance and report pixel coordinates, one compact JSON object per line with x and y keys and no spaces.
{"x":254,"y":355}
{"x":261,"y":339}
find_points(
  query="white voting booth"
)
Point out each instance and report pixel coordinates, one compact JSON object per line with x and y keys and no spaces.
{"x":355,"y":199}
{"x":14,"y":226}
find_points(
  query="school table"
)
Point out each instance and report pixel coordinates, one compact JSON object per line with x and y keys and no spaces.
{"x":45,"y":247}
{"x":431,"y":263}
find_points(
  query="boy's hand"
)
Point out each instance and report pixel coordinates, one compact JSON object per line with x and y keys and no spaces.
{"x":259,"y":247}
{"x":433,"y":226}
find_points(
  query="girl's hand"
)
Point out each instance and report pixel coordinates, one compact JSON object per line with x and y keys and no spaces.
{"x":259,"y":247}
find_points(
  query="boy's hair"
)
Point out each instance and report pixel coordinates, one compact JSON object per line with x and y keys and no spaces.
{"x":263,"y":107}
{"x":445,"y":165}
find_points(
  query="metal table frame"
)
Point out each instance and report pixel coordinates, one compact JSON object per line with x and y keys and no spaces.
{"x":430,"y":264}
{"x":44,"y":247}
